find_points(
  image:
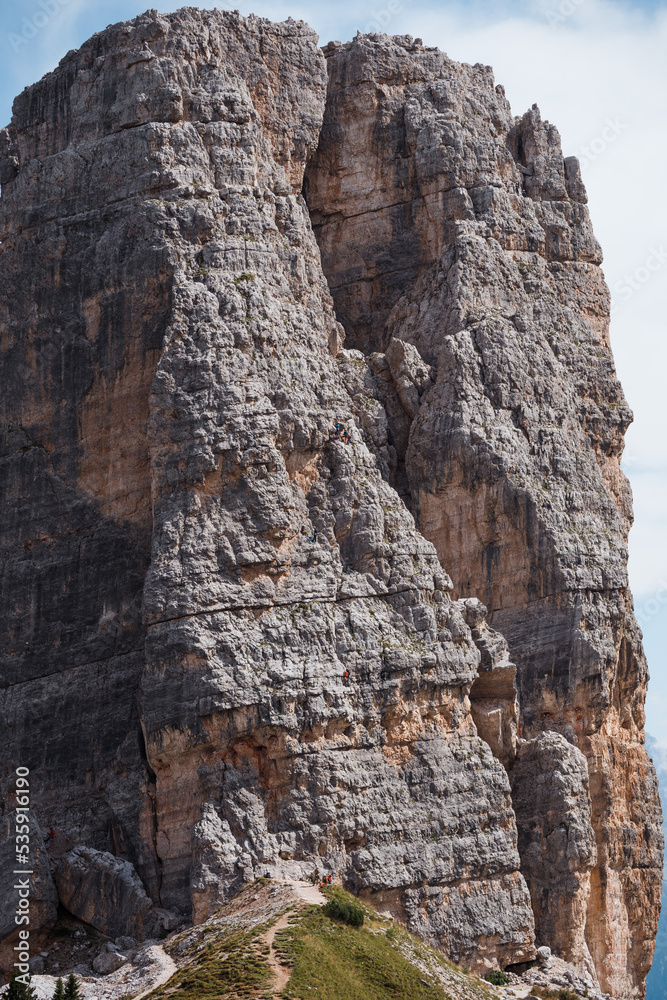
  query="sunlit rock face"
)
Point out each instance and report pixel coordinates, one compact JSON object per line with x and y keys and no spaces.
{"x":198,"y":557}
{"x":459,"y":252}
{"x":232,"y":643}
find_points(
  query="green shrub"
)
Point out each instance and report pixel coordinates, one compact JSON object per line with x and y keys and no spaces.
{"x":546,"y":994}
{"x":345,"y":912}
{"x":72,"y":988}
{"x":497,"y":978}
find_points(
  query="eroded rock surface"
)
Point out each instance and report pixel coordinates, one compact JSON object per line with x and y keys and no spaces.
{"x":229,"y":645}
{"x":557,"y":841}
{"x":219,"y":556}
{"x":43,"y":898}
{"x":462,"y":233}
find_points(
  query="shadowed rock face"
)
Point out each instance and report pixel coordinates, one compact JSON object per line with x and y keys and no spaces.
{"x":194,"y":557}
{"x":453,"y":229}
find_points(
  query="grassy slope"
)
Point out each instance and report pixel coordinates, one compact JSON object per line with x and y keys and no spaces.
{"x":228,"y":959}
{"x":378,"y":961}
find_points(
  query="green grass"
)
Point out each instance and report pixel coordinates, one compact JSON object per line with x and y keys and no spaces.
{"x":497,"y":978}
{"x":328,"y":957}
{"x":233,"y":968}
{"x":546,"y":994}
{"x":333,"y":961}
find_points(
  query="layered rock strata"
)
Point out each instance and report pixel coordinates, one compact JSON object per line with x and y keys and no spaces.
{"x":461,"y":259}
{"x":228,"y":647}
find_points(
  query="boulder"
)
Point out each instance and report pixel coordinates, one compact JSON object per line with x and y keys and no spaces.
{"x":125,"y":943}
{"x":108,"y":961}
{"x":106,"y":892}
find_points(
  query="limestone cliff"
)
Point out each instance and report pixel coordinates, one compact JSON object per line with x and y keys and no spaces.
{"x":458,"y":239}
{"x":229,"y":648}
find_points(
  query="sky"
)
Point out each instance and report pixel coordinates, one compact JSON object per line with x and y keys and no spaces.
{"x":597,"y":70}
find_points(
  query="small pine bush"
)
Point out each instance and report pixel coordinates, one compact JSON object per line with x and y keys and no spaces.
{"x":345,"y":912}
{"x":497,"y":978}
{"x":19,"y":991}
{"x":72,"y":991}
{"x":59,"y":993}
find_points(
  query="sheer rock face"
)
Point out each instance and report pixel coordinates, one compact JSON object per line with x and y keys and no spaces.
{"x":459,"y":252}
{"x":229,"y":647}
{"x":557,"y":842}
{"x":194,"y":556}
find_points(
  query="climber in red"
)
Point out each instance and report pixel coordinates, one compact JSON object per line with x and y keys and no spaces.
{"x":346,"y":677}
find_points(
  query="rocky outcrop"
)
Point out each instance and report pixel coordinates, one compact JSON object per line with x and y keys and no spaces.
{"x":462,"y":232}
{"x":557,"y":841}
{"x":105,"y":892}
{"x":229,"y":645}
{"x":294,"y":678}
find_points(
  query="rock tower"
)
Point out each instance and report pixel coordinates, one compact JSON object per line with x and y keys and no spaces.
{"x":305,"y":366}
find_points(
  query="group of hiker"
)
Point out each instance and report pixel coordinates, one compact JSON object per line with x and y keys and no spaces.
{"x":342,"y":433}
{"x":320,"y":880}
{"x":312,"y":535}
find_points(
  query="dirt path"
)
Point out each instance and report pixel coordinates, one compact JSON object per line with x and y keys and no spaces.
{"x":308,"y":892}
{"x":281,"y":973}
{"x":169,"y":967}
